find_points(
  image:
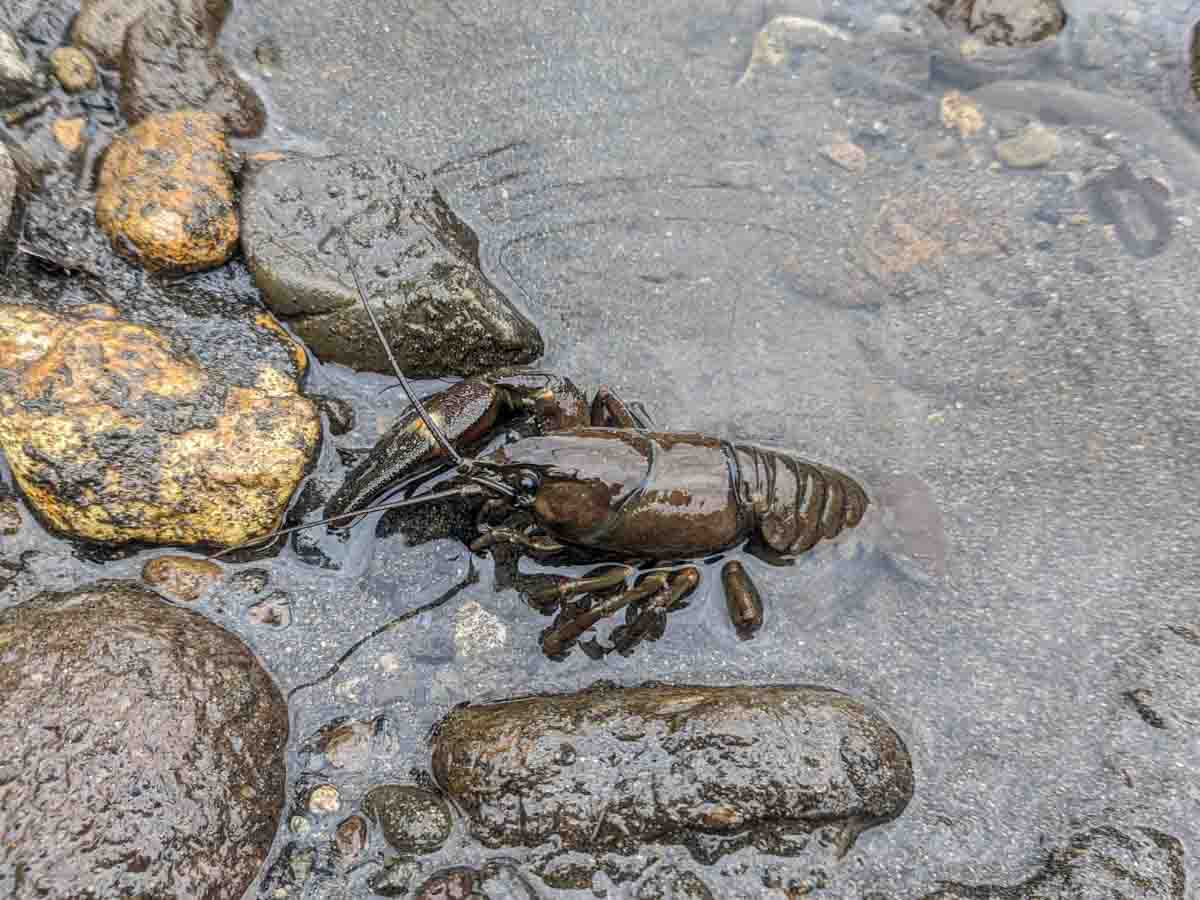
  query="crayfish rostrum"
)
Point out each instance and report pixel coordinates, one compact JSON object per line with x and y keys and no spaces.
{"x":596,"y":482}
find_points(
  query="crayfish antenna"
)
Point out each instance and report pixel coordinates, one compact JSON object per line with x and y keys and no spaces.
{"x":433,"y":427}
{"x":268,"y":539}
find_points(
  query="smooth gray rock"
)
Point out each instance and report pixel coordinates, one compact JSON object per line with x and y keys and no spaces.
{"x":418,"y":262}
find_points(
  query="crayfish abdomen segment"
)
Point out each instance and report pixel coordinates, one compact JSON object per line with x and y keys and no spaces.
{"x":797,"y":502}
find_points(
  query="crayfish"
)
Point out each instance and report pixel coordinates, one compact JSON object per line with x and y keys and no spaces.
{"x":597,"y":481}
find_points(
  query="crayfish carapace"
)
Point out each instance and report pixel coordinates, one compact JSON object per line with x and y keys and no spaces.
{"x":597,"y":481}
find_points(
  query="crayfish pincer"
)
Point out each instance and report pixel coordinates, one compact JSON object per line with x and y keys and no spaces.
{"x":598,"y":483}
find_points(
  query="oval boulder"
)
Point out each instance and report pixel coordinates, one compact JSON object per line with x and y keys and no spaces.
{"x":611,"y":768}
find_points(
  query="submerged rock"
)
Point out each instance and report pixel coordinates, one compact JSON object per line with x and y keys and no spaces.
{"x":73,"y":69}
{"x":419,"y":265}
{"x":169,"y":63}
{"x":142,"y":753}
{"x":181,"y":577}
{"x":165,"y":195}
{"x":1140,"y":864}
{"x":115,"y":435}
{"x":18,"y":81}
{"x":101,"y":25}
{"x":1010,"y":23}
{"x":709,"y":767}
{"x":413,"y":820}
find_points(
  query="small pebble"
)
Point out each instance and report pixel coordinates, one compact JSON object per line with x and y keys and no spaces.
{"x":166,"y":197}
{"x":478,"y":631}
{"x":961,"y":113}
{"x":299,"y":826}
{"x":68,"y":133}
{"x":73,"y":69}
{"x":1034,"y":147}
{"x":850,"y":157}
{"x":181,"y":577}
{"x":10,"y":516}
{"x":351,"y":837}
{"x":275,"y":611}
{"x":413,"y":820}
{"x":340,"y":413}
{"x":324,"y":799}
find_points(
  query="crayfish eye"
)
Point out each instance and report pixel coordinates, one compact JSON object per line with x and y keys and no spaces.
{"x":528,"y":482}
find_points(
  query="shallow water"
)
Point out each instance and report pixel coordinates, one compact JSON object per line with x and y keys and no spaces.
{"x":1019,"y":345}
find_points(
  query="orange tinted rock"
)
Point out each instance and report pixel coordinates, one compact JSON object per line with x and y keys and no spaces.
{"x":181,"y":577}
{"x":166,"y":195}
{"x":114,"y":436}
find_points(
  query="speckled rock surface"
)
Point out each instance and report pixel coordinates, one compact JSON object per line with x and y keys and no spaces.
{"x":413,"y":820}
{"x":169,"y":63}
{"x":165,"y":196}
{"x":101,"y":25}
{"x":113,"y":435}
{"x":419,"y":264}
{"x":673,"y":764}
{"x":8,"y":191}
{"x":142,"y":753}
{"x":73,"y":69}
{"x":1109,"y":863}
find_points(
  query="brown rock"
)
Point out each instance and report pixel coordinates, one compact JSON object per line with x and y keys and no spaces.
{"x":113,"y":436}
{"x":713,"y":768}
{"x":73,"y":69}
{"x":101,"y":24}
{"x":181,"y":577}
{"x":166,"y":196}
{"x":961,"y":113}
{"x":350,"y":839}
{"x":169,"y":63}
{"x":1009,"y":23}
{"x":142,"y":753}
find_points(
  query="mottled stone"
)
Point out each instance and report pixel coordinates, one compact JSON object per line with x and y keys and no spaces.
{"x":339,"y":412}
{"x":495,"y":880}
{"x":344,"y":743}
{"x":129,"y":724}
{"x":10,"y":515}
{"x":114,"y":435}
{"x":350,"y":839}
{"x":274,"y":611}
{"x":680,"y":765}
{"x":324,"y":799}
{"x":413,"y":820}
{"x":102,"y":24}
{"x":181,"y":577}
{"x":1009,"y":23}
{"x":1133,"y":864}
{"x":165,"y":195}
{"x":169,"y":63}
{"x":848,"y":156}
{"x":419,"y":265}
{"x":18,"y":81}
{"x":960,"y":113}
{"x":73,"y":69}
{"x":1035,"y":146}
{"x":69,"y":133}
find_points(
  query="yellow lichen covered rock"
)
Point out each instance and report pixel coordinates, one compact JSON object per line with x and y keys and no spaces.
{"x":115,"y":435}
{"x":166,"y":196}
